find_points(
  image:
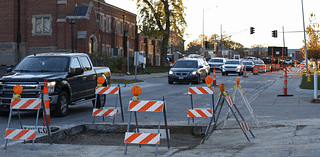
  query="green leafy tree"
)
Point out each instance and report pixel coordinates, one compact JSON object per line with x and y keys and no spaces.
{"x":313,"y":42}
{"x":157,"y":18}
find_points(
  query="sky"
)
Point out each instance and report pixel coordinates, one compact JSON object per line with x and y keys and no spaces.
{"x":237,"y":16}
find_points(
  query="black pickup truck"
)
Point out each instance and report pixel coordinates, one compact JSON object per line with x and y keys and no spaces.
{"x":71,"y":77}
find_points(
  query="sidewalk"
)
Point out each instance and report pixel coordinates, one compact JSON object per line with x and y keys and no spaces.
{"x":289,"y":126}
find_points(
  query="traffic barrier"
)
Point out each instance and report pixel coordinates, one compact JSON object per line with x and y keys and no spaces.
{"x":238,"y":88}
{"x":277,"y":67}
{"x":107,"y":111}
{"x":214,"y":77}
{"x":222,"y":97}
{"x":274,"y":67}
{"x":245,"y":71}
{"x":262,"y":69}
{"x":285,"y":91}
{"x":18,"y":103}
{"x":46,"y":111}
{"x":200,"y":112}
{"x":145,"y":138}
{"x":255,"y":70}
{"x":268,"y":69}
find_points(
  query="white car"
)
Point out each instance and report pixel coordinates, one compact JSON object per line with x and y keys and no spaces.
{"x":232,"y":66}
{"x":288,"y":61}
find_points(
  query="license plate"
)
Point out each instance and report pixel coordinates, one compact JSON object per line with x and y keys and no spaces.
{"x":181,"y":78}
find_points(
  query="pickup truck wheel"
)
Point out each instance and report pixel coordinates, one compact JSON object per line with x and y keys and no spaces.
{"x":101,"y":100}
{"x":62,"y":107}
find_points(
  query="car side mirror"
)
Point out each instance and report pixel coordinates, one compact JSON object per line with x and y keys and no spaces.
{"x":201,"y":66}
{"x":9,"y":70}
{"x":76,"y":71}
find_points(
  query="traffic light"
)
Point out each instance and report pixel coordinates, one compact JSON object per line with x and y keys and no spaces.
{"x":251,"y":30}
{"x":206,"y":44}
{"x":275,"y":33}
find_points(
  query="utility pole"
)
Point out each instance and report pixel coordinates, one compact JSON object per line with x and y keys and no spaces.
{"x":72,"y":22}
{"x":222,"y":44}
{"x":284,"y":44}
{"x":305,"y":40}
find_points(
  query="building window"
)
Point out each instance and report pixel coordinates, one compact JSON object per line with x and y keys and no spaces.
{"x":42,"y":24}
{"x":121,"y":28}
{"x":108,"y":24}
{"x":133,"y":31}
{"x":115,"y":26}
{"x":102,"y":18}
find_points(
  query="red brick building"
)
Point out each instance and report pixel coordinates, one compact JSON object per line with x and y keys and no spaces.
{"x":45,"y":26}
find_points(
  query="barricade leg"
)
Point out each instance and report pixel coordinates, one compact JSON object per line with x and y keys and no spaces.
{"x":243,"y":119}
{"x":165,"y":121}
{"x":8,"y":126}
{"x":234,"y":114}
{"x":128,"y":128}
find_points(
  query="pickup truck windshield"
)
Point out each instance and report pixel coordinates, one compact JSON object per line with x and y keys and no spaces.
{"x":43,"y":64}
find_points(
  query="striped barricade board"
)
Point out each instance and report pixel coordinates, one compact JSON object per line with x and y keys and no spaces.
{"x":200,"y":90}
{"x":200,"y":112}
{"x":26,"y":103}
{"x":107,"y":90}
{"x":141,"y":136}
{"x":20,"y":134}
{"x":110,"y":112}
{"x":148,"y":106}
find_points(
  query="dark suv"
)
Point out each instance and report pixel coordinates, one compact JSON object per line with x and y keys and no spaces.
{"x":188,"y":70}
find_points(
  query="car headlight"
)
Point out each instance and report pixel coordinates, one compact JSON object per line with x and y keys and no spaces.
{"x":194,"y":73}
{"x":50,"y":86}
{"x":170,"y":72}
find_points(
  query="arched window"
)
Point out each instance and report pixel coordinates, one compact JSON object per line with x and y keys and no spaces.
{"x":92,"y":44}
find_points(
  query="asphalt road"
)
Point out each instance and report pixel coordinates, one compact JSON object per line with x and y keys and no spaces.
{"x":155,"y":87}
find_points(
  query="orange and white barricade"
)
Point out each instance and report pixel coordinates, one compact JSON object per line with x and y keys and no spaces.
{"x":200,"y":112}
{"x":103,"y":111}
{"x":255,"y":70}
{"x":222,"y":97}
{"x":18,"y":103}
{"x":138,"y":137}
{"x":238,"y":88}
{"x":107,"y":111}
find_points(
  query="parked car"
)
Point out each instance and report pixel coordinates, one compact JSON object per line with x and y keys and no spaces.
{"x":188,"y":70}
{"x":248,"y":65}
{"x":232,"y":66}
{"x":249,"y":59}
{"x":288,"y":61}
{"x":216,"y":63}
{"x":70,"y":77}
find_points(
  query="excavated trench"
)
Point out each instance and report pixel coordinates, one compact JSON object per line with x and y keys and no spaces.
{"x":113,"y":135}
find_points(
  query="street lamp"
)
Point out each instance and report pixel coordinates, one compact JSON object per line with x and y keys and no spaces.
{"x":72,"y":22}
{"x":203,"y":26}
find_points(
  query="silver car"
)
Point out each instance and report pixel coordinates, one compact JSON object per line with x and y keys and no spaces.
{"x":233,"y":66}
{"x":216,"y":63}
